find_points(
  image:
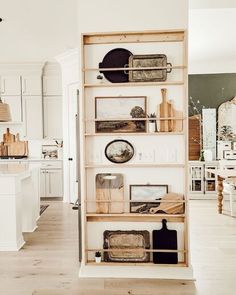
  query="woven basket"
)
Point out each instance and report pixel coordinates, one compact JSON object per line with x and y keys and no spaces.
{"x":5,"y":114}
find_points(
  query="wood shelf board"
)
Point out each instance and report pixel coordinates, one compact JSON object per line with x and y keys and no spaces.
{"x":133,"y":84}
{"x":134,"y":218}
{"x":143,"y":165}
{"x":11,"y":123}
{"x":130,"y":201}
{"x":135,"y":250}
{"x":136,"y":119}
{"x":134,"y":37}
{"x":134,"y":134}
{"x":180,"y":264}
{"x":180,"y":67}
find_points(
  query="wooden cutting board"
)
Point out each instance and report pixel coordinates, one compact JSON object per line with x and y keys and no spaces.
{"x":170,"y":208}
{"x":165,"y":239}
{"x":8,"y":137}
{"x":166,"y":110}
{"x":109,"y":187}
{"x":18,"y":148}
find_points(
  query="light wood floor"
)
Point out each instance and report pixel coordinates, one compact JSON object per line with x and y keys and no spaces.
{"x":48,"y":263}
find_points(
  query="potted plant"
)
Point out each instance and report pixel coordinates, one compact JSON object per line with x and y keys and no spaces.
{"x":98,"y":257}
{"x":152,"y":123}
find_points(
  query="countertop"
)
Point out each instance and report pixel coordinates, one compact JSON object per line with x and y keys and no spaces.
{"x":30,"y":160}
{"x":15,"y":169}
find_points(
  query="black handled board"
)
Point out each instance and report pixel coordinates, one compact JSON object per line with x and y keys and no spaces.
{"x":165,"y":239}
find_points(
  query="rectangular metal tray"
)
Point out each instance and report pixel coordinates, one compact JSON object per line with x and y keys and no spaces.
{"x":126,"y":240}
{"x":150,"y":60}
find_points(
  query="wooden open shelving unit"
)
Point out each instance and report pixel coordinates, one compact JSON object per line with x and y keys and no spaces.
{"x":94,"y":47}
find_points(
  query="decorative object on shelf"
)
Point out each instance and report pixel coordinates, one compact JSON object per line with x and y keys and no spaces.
{"x":5,"y":114}
{"x":165,"y":239}
{"x":194,"y":143}
{"x":152,"y":123}
{"x":234,"y":146}
{"x":208,"y":156}
{"x":173,"y":121}
{"x":201,"y":158}
{"x":100,"y":78}
{"x":226,"y":120}
{"x":149,"y":61}
{"x":209,"y":132}
{"x":119,"y":151}
{"x":223,"y":146}
{"x":12,"y":147}
{"x":98,"y":257}
{"x":49,"y":151}
{"x":230,"y":155}
{"x":124,"y":242}
{"x":116,"y":58}
{"x":146,"y":196}
{"x":118,"y":118}
{"x":109,"y":187}
{"x":169,"y":207}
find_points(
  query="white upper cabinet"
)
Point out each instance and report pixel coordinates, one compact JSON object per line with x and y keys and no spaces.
{"x":33,"y":117}
{"x":52,"y":85}
{"x":52,"y":117}
{"x":31,"y":85}
{"x":10,"y":85}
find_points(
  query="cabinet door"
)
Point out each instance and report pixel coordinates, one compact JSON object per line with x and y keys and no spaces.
{"x":32,"y":117}
{"x":210,"y":180}
{"x":196,"y":179}
{"x":52,"y":117}
{"x":52,"y":85}
{"x":10,"y":85}
{"x":42,"y":184}
{"x":15,"y":107}
{"x":31,"y":85}
{"x":54,"y":183}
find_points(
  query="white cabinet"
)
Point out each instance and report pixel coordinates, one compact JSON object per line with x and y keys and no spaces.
{"x":33,"y":117}
{"x":15,"y":104}
{"x":52,"y":85}
{"x":51,"y":183}
{"x":202,"y":184}
{"x":31,"y":85}
{"x":52,"y":106}
{"x":10,"y":85}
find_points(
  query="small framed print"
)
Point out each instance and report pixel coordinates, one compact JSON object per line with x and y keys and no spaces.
{"x":119,"y":151}
{"x":120,"y":114}
{"x":234,"y":145}
{"x":145,"y":197}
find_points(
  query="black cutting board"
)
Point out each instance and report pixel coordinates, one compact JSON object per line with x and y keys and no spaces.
{"x":116,"y":58}
{"x":164,"y":239}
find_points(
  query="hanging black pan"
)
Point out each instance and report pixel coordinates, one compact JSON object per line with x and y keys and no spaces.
{"x":116,"y":58}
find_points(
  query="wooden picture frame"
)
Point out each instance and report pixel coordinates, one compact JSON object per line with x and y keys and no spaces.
{"x":113,"y":114}
{"x":141,"y":192}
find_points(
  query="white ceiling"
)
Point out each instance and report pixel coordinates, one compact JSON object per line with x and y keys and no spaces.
{"x":36,"y":30}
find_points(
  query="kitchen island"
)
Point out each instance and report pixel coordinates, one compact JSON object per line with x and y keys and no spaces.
{"x":19,"y":203}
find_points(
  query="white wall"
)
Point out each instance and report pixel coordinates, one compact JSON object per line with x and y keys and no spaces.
{"x":128,"y":15}
{"x":212,"y":41}
{"x":205,"y":4}
{"x":37,"y":30}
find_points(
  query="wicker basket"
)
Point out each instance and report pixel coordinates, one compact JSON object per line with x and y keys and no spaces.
{"x":5,"y":114}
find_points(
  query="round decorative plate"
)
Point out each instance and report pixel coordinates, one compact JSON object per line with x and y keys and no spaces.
{"x":119,"y":151}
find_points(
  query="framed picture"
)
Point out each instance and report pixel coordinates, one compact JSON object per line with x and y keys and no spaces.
{"x":145,"y":197}
{"x":115,"y":114}
{"x":119,"y":151}
{"x":49,"y":151}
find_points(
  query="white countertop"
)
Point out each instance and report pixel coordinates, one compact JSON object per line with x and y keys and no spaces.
{"x":29,"y":160}
{"x":14,"y":169}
